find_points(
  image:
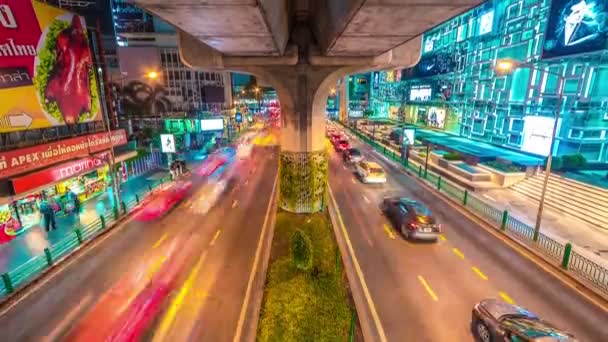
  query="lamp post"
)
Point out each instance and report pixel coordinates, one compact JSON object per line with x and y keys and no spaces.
{"x":506,"y":66}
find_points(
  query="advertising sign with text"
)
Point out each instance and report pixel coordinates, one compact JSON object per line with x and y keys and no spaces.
{"x":31,"y":158}
{"x":47,"y":76}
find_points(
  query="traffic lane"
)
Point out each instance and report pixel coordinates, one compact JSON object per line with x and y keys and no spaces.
{"x":417,"y":283}
{"x":88,"y":276}
{"x":521,"y":279}
{"x":213,"y":294}
{"x":81,"y":281}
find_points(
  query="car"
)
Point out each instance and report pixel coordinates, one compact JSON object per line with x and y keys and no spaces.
{"x":411,"y":218}
{"x":335,"y":136}
{"x":370,"y":172}
{"x":342,"y":145}
{"x":352,"y":155}
{"x":494,"y":320}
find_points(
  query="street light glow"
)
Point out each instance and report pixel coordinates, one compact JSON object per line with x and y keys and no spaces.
{"x":152,"y":75}
{"x":333,"y":91}
{"x":505,"y":66}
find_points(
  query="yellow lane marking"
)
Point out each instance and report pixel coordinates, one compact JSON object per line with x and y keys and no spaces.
{"x":156,"y":266}
{"x":506,"y":298}
{"x":442,"y":237}
{"x":160,"y":241}
{"x":217,"y":234}
{"x":178,"y":302}
{"x":366,"y":199}
{"x":479,"y":273}
{"x":428,"y":288}
{"x":351,"y":251}
{"x":353,"y":180}
{"x":235,"y":203}
{"x":389,"y":231}
{"x":458,"y":252}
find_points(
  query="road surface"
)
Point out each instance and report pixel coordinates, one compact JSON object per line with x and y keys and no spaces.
{"x":206,"y":303}
{"x":425,"y":292}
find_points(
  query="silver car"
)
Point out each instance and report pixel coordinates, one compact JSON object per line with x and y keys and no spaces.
{"x":496,"y":321}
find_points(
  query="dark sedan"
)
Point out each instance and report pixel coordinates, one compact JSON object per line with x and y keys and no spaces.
{"x":352,"y":155}
{"x":494,"y":320}
{"x":411,"y":218}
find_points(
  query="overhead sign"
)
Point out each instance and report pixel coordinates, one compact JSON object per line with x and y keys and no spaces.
{"x":31,"y":158}
{"x":212,"y":125}
{"x":47,"y":76}
{"x":167,"y":143}
{"x":576,"y":26}
{"x":409,"y":136}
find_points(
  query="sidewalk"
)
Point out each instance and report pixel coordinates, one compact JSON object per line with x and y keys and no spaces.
{"x":33,"y":242}
{"x":555,"y":224}
{"x":590,"y":241}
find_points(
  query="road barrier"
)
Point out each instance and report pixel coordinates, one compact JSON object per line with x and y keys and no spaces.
{"x":30,"y":270}
{"x":560,"y":254}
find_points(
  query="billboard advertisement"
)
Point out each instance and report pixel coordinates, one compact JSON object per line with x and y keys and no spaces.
{"x":31,"y":158}
{"x":47,"y":76}
{"x":537,"y":134}
{"x":212,"y":124}
{"x":576,"y":26}
{"x":420,"y":93}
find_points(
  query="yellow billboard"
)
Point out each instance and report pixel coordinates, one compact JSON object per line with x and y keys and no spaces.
{"x":47,"y":76}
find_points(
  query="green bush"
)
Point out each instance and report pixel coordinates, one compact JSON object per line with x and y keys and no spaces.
{"x":503,"y":167}
{"x":301,"y":250}
{"x":556,"y":163}
{"x":452,"y":156}
{"x":303,"y":306}
{"x":574,"y":161}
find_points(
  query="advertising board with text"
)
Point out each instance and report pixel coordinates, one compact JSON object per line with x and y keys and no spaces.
{"x":212,"y":124}
{"x":47,"y":76}
{"x":31,"y":158}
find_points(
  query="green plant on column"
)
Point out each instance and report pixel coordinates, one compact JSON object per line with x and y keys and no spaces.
{"x":301,"y":250}
{"x":303,"y":181}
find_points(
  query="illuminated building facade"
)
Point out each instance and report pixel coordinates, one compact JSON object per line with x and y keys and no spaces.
{"x":454,"y":87}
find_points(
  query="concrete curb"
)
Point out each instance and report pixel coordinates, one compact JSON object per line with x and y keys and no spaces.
{"x":250,"y":330}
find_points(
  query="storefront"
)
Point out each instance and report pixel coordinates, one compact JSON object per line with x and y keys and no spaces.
{"x":28,"y":178}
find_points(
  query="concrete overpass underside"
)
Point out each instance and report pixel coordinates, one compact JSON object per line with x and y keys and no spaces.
{"x":302,"y":48}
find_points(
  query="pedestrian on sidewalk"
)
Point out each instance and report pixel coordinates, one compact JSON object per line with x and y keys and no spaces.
{"x":48,"y":212}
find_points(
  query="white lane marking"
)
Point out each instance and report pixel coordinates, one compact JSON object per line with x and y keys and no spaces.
{"x":353,"y":180}
{"x":489,"y":197}
{"x":68,"y":319}
{"x":344,"y":166}
{"x":366,"y":199}
{"x":235,"y":203}
{"x":368,"y":297}
{"x":258,"y":252}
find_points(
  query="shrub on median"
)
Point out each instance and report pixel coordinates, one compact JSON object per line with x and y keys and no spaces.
{"x":304,"y":305}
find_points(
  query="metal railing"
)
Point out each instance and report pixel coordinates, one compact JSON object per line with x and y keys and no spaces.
{"x":31,"y":269}
{"x":561,"y":254}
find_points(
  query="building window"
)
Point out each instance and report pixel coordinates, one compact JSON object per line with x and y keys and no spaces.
{"x":592,"y":134}
{"x":575,"y":134}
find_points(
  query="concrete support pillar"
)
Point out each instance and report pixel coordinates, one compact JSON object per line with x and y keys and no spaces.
{"x":344,"y":99}
{"x":303,"y":165}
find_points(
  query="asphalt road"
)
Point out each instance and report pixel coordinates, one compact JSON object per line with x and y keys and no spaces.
{"x":425,"y":291}
{"x":207,"y":299}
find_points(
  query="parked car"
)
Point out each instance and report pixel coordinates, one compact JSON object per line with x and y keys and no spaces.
{"x":494,"y":320}
{"x":411,"y":218}
{"x":342,"y":145}
{"x":370,"y":172}
{"x":352,"y":156}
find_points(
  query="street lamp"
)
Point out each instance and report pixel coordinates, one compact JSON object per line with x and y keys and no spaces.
{"x":506,"y":67}
{"x":152,"y":75}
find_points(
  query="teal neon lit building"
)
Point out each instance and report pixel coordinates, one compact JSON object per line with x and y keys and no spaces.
{"x":454,"y":87}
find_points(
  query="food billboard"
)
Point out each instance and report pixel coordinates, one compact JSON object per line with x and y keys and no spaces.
{"x":47,"y":76}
